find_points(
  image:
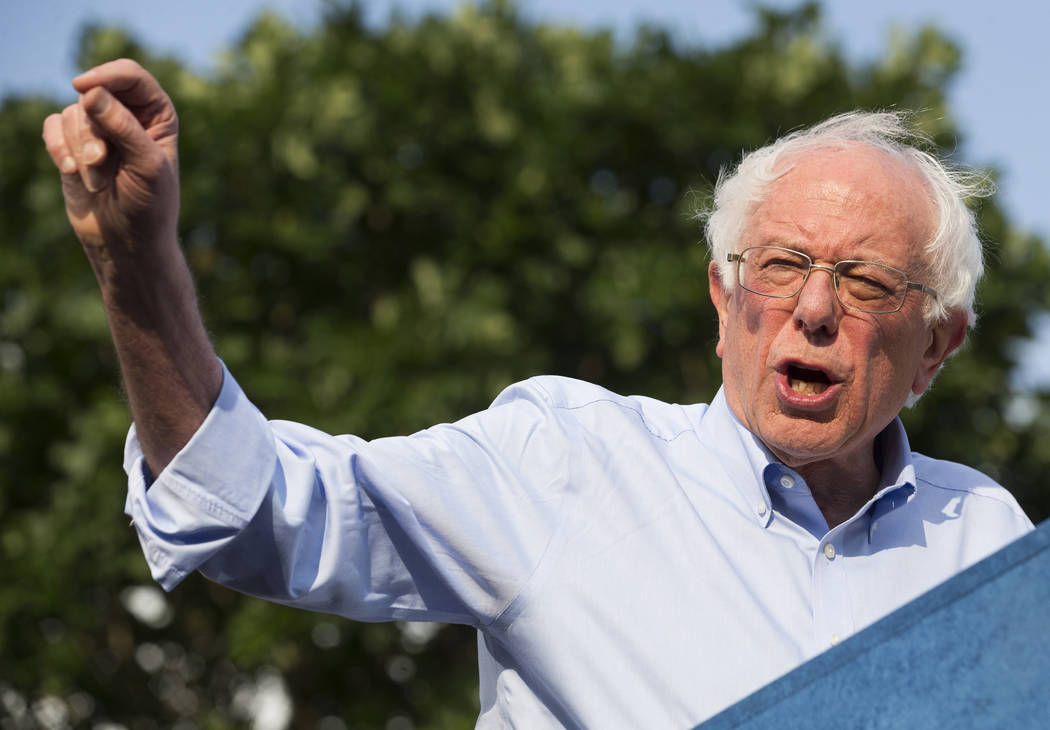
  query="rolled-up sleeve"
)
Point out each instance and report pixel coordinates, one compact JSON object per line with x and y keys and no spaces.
{"x":207,"y":494}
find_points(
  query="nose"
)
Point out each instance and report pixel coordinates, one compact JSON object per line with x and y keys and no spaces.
{"x":817,"y":307}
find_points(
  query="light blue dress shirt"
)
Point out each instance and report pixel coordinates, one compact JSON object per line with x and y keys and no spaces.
{"x":627,"y":563}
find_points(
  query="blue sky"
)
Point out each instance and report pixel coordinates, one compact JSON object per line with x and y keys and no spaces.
{"x":1001,"y":98}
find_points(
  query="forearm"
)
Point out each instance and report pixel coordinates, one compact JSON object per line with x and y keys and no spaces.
{"x":170,"y":370}
{"x":116,"y":151}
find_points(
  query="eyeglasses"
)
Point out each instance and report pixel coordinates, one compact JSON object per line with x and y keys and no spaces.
{"x":866,"y":286}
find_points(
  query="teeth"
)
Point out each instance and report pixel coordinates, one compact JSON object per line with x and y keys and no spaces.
{"x":807,"y":387}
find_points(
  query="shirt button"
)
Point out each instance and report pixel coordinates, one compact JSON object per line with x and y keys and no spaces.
{"x":829,"y":551}
{"x":761,"y":507}
{"x":835,"y":639}
{"x":787,"y":481}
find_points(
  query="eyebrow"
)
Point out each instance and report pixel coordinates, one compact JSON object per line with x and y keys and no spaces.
{"x":853,"y":256}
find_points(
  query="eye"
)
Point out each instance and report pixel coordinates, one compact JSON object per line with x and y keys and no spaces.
{"x":865,"y":281}
{"x":861,"y":288}
{"x":783,"y":262}
{"x":773,"y":258}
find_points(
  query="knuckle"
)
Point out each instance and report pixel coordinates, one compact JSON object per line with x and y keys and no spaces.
{"x":129,"y":65}
{"x":52,"y":144}
{"x":153,"y":162}
{"x":51,"y":121}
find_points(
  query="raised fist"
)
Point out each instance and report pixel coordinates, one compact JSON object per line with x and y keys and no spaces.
{"x":116,"y":149}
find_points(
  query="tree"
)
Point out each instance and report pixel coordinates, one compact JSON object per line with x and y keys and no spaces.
{"x":387,"y":227}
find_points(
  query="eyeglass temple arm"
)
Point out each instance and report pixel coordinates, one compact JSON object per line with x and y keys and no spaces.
{"x":924,"y":289}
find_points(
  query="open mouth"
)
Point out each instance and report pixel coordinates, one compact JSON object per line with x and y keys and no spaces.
{"x":807,"y":381}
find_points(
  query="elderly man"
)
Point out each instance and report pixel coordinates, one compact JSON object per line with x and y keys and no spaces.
{"x":626,"y":562}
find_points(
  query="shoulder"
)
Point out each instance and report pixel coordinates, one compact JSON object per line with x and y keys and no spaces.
{"x":584,"y":401}
{"x":956,"y":484}
{"x":556,"y":391}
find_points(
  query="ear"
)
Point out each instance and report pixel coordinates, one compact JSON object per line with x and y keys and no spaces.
{"x":720,"y":298}
{"x":945,"y":338}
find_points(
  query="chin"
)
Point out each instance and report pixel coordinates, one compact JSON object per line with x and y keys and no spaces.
{"x":801,"y":448}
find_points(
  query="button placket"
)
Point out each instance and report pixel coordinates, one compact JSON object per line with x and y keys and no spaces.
{"x":832,"y":609}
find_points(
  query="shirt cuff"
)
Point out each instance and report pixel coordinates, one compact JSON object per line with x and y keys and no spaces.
{"x":208,"y":493}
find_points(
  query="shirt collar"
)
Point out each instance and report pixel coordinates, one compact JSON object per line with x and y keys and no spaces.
{"x":742,"y":454}
{"x":898,"y":484}
{"x":750,"y":464}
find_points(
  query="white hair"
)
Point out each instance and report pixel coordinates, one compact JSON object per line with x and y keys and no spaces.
{"x":954,"y":254}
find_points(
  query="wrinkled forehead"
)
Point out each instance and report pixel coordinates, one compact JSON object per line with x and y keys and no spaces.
{"x":848,"y":197}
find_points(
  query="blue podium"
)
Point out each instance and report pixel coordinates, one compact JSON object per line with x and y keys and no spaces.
{"x":974,"y":652}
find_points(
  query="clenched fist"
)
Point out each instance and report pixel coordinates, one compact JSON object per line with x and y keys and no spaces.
{"x":116,"y":149}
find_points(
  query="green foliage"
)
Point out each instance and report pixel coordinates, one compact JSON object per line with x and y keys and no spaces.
{"x":387,"y":227}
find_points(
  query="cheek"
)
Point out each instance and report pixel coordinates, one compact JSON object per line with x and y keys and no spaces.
{"x":888,"y":364}
{"x":747,"y":349}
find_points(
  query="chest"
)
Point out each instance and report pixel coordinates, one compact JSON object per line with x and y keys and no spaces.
{"x":667,"y":602}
